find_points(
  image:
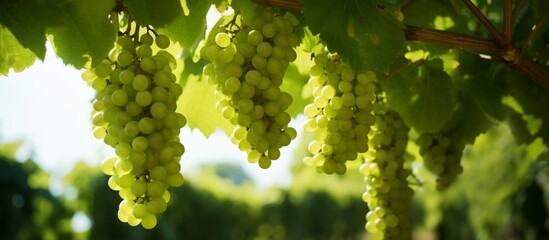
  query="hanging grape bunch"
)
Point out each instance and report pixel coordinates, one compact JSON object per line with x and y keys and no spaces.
{"x":387,"y":192}
{"x":442,"y":151}
{"x":134,"y":112}
{"x":340,"y":115}
{"x":248,"y":62}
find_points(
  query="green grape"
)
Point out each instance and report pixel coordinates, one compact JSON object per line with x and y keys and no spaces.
{"x":247,"y":75}
{"x":124,"y":58}
{"x":143,"y":51}
{"x":442,"y":151}
{"x":334,"y":116}
{"x":103,"y":69}
{"x":139,"y":211}
{"x":162,"y":41}
{"x":222,"y":40}
{"x":107,"y":166}
{"x":134,"y":112}
{"x":148,"y":65}
{"x":146,"y":39}
{"x":387,"y":192}
{"x":143,"y":98}
{"x":148,"y":221}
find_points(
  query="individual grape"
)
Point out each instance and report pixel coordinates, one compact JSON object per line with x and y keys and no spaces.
{"x":146,"y":39}
{"x":148,"y":221}
{"x":387,"y":192}
{"x":134,"y":112}
{"x":247,"y":76}
{"x":222,"y":40}
{"x":143,"y":51}
{"x":442,"y":151}
{"x":103,"y":69}
{"x":339,"y":124}
{"x":162,"y":41}
{"x":124,"y":58}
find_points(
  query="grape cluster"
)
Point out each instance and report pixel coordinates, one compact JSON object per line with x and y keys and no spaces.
{"x":134,"y":112}
{"x":387,"y":192}
{"x":247,"y":65}
{"x":441,"y":152}
{"x":340,"y":115}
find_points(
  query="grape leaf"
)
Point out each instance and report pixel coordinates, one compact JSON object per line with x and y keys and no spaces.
{"x":86,"y":33}
{"x":520,"y":130}
{"x":28,"y":20}
{"x":310,"y":42}
{"x":154,"y":13}
{"x":481,"y":82}
{"x":365,"y":33}
{"x":246,"y":8}
{"x":190,"y":67}
{"x":423,"y":95}
{"x":12,"y":54}
{"x":473,"y":121}
{"x":532,"y":98}
{"x":416,"y":15}
{"x":197,"y":103}
{"x":189,"y":30}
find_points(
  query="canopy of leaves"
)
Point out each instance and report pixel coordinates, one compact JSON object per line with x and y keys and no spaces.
{"x":29,"y":19}
{"x":365,"y":33}
{"x":423,"y":95}
{"x":73,"y":40}
{"x":156,"y":13}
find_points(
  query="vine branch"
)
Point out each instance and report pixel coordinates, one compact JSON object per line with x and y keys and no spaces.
{"x":535,"y":29}
{"x":508,"y":21}
{"x":500,"y":47}
{"x":517,"y":9}
{"x":493,"y":31}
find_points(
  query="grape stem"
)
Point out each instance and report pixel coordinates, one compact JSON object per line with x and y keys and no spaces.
{"x":499,"y":48}
{"x":401,"y":68}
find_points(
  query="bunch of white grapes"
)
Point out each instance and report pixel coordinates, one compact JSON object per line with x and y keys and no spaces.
{"x":135,"y":113}
{"x":441,"y":152}
{"x":247,"y":66}
{"x":387,"y":192}
{"x":340,"y":115}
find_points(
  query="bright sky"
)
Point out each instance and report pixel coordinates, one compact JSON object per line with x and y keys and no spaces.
{"x":48,"y":106}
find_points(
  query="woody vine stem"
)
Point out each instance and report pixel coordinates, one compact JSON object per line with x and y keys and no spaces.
{"x":499,"y":47}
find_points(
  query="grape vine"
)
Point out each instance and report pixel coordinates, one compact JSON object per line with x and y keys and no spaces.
{"x":134,"y":112}
{"x":248,"y":62}
{"x":387,"y":192}
{"x":340,"y":115}
{"x":442,"y":151}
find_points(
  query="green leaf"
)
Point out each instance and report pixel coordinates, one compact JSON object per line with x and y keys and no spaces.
{"x":189,"y":29}
{"x":480,"y":81}
{"x":519,"y":128}
{"x":443,"y":18}
{"x":191,"y":68}
{"x":197,"y":103}
{"x":246,"y":8}
{"x":12,"y":54}
{"x":472,"y":120}
{"x":86,"y":33}
{"x":311,"y":42}
{"x":156,"y":13}
{"x":365,"y":33}
{"x":28,"y":21}
{"x":424,"y":96}
{"x":532,"y":98}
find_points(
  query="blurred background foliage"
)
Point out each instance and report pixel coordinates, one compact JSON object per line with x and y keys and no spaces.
{"x":502,"y":194}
